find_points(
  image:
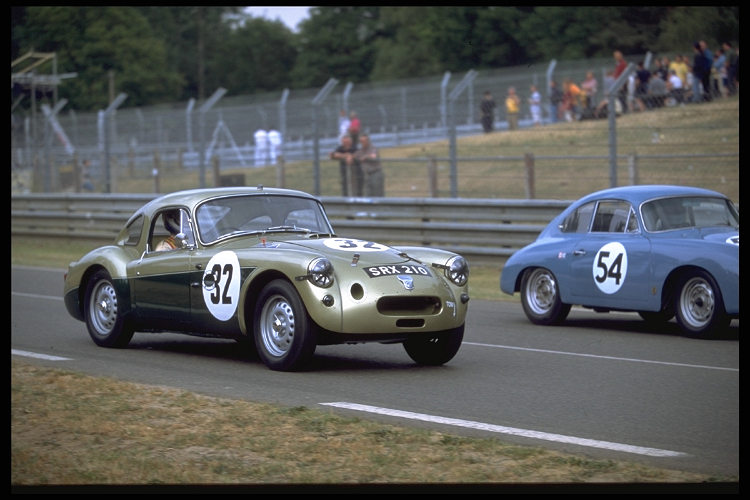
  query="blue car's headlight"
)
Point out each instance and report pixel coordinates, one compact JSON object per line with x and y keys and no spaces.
{"x":457,"y":270}
{"x":320,"y":272}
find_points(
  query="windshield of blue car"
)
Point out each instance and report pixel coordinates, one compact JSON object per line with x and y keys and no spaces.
{"x":260,"y":214}
{"x":665,"y":214}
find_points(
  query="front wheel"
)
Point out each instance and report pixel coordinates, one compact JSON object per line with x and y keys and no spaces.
{"x":540,"y":297}
{"x":103,"y":313}
{"x":699,"y":307}
{"x":285,"y":336}
{"x":435,"y":349}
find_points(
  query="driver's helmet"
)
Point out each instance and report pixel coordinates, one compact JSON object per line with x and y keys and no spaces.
{"x":172,"y":221}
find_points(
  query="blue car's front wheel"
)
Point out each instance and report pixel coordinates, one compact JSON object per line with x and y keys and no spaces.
{"x":699,"y":306}
{"x":540,"y":297}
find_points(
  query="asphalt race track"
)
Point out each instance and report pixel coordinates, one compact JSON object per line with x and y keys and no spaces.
{"x":601,"y":385}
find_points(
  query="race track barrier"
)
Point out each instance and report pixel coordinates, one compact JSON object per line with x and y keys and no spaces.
{"x":483,"y":230}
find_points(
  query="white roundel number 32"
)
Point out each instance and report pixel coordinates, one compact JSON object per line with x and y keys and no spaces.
{"x":610,"y":267}
{"x":222,"y":296}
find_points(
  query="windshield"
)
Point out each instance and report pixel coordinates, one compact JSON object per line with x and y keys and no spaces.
{"x":259,"y":214}
{"x":688,"y":211}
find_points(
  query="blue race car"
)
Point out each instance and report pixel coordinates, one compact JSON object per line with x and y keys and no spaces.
{"x":662,"y":251}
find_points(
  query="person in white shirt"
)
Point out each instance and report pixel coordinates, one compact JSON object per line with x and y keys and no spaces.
{"x":274,"y":145}
{"x":261,"y":147}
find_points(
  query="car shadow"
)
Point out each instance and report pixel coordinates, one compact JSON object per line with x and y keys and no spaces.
{"x":637,"y":325}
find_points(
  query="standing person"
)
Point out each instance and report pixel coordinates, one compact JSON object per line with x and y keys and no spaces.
{"x":589,"y":87}
{"x":571,"y":99}
{"x":620,"y":65}
{"x":372,"y":171}
{"x":512,"y":108}
{"x":700,"y":65}
{"x":732,"y":59}
{"x":708,"y":63}
{"x":274,"y":145}
{"x":487,"y":108}
{"x":555,"y":98}
{"x":681,"y":69}
{"x":343,"y":124}
{"x":348,"y":167}
{"x":261,"y":147}
{"x":718,"y":73}
{"x":354,"y":128}
{"x":535,"y":106}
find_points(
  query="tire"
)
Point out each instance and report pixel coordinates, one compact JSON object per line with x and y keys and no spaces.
{"x":435,"y":349}
{"x":285,"y":336}
{"x":102,"y":313}
{"x":540,"y":297}
{"x":656,"y":317}
{"x":699,"y":307}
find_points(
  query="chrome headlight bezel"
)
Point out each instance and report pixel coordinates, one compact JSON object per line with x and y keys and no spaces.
{"x":457,"y":270}
{"x":320,"y":272}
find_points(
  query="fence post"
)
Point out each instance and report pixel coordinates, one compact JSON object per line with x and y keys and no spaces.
{"x":432,"y":176}
{"x":280,"y":172}
{"x":529,"y":164}
{"x":633,"y":169}
{"x":216,"y":170}
{"x":131,"y":161}
{"x":155,"y":174}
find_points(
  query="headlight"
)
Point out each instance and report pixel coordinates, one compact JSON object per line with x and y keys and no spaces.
{"x":320,"y":272}
{"x":457,"y":270}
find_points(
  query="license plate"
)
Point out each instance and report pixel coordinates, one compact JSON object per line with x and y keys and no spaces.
{"x":394,"y":270}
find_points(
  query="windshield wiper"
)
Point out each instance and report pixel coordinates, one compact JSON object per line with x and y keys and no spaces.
{"x":289,"y":228}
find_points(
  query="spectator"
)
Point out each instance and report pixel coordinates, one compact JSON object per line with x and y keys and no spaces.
{"x":708,"y":62}
{"x":535,"y":106}
{"x":372,"y":171}
{"x":487,"y":108}
{"x":700,"y":72}
{"x":732,"y":60}
{"x":274,"y":145}
{"x":351,"y":178}
{"x":657,"y":91}
{"x":354,"y":128}
{"x":589,"y":86}
{"x":344,"y":123}
{"x":681,"y":69}
{"x":261,"y":147}
{"x":718,"y":73}
{"x":620,"y":65}
{"x":555,"y":98}
{"x":642,"y":77}
{"x":675,"y":89}
{"x":512,"y":108}
{"x":571,"y":100}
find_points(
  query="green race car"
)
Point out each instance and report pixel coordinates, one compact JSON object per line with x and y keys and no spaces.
{"x":264,"y":265}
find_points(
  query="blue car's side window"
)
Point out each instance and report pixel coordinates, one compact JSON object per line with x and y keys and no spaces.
{"x":579,"y":220}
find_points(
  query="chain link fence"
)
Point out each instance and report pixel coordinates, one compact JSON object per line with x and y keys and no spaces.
{"x":62,"y":150}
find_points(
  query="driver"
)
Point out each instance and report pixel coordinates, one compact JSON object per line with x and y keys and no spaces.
{"x":172,"y":224}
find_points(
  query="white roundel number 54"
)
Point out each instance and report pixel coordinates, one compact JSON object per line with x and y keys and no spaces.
{"x":610,"y":267}
{"x":222,"y":293}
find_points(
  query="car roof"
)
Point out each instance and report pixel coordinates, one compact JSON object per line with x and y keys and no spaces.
{"x":641,"y":193}
{"x":192,"y":197}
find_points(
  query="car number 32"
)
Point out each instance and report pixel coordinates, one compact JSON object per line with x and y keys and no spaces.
{"x":221,"y":291}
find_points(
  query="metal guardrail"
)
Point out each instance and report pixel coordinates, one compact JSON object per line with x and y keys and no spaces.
{"x":483,"y":230}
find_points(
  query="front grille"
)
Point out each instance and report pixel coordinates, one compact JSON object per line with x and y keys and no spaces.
{"x":409,"y":306}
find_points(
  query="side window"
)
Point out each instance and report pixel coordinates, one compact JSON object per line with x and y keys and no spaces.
{"x":611,"y":217}
{"x":168,"y":227}
{"x":579,"y":220}
{"x":132,"y":234}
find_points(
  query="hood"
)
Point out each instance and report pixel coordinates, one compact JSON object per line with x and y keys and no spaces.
{"x":346,"y":250}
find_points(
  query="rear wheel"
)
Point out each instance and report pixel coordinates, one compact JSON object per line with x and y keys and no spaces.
{"x":285,"y":336}
{"x":540,"y":297}
{"x":103,"y":313}
{"x":435,"y":349}
{"x":699,"y":307}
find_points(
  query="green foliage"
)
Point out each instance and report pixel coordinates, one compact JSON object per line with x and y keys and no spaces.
{"x":166,"y":54}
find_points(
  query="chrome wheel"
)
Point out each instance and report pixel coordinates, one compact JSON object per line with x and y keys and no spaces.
{"x":103,"y":308}
{"x":277,"y":326}
{"x":540,"y":297}
{"x":699,"y":306}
